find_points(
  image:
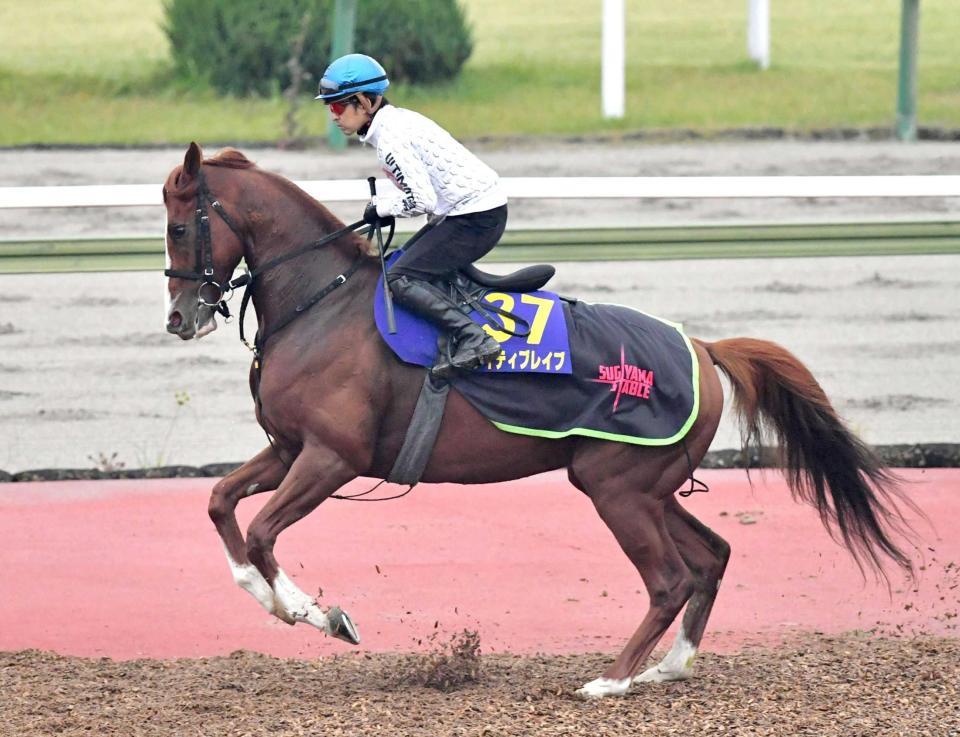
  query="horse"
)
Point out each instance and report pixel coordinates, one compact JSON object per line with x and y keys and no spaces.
{"x":335,"y":403}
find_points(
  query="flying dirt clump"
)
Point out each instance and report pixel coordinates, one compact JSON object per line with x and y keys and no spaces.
{"x":448,"y":665}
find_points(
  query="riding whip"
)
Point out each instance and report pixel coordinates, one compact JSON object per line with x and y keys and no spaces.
{"x":387,"y":297}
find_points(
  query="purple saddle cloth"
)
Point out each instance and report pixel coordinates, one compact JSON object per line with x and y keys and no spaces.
{"x":546,"y":349}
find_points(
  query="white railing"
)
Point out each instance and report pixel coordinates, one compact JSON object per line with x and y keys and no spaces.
{"x":130,"y":195}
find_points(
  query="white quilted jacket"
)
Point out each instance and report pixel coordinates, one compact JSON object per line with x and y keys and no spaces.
{"x":434,"y":172}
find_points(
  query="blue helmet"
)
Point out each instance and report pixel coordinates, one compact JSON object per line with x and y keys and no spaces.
{"x":351,"y":74}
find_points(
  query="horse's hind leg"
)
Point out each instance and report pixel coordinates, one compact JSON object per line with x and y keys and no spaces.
{"x":263,"y":472}
{"x":706,"y":555}
{"x":629,"y":487}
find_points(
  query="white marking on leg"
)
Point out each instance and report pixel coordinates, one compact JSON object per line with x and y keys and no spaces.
{"x":297,"y":605}
{"x":600,"y":687}
{"x":677,"y":665}
{"x":250,"y":579}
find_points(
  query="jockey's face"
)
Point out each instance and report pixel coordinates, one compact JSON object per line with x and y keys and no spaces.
{"x":351,"y":115}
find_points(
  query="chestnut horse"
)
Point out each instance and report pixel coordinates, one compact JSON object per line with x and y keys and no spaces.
{"x":313,"y":371}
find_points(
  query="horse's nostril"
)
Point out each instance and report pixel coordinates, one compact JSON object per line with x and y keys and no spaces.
{"x":176,"y":319}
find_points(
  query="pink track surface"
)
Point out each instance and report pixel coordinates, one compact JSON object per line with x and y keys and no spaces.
{"x":130,"y":569}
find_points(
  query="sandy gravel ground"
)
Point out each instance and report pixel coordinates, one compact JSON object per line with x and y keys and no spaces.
{"x":87,"y":372}
{"x":850,"y":686}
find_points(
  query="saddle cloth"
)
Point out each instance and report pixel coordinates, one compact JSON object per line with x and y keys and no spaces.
{"x":598,"y":370}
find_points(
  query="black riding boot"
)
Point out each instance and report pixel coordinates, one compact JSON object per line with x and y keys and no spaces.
{"x":472,"y":345}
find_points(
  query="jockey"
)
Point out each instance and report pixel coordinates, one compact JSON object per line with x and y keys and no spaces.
{"x":465,"y":205}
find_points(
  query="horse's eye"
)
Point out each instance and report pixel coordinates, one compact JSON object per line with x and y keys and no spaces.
{"x":177,"y":231}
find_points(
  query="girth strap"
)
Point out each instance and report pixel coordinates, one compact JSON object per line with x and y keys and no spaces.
{"x":422,"y":434}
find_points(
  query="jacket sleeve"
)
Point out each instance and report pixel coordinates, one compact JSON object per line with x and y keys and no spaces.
{"x":404,"y":166}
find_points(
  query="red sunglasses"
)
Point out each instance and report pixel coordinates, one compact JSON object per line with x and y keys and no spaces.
{"x":340,"y":107}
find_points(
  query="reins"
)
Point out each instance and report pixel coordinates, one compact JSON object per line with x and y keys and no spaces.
{"x":260,"y":339}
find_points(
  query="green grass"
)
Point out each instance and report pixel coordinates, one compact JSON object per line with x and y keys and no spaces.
{"x":99,"y":72}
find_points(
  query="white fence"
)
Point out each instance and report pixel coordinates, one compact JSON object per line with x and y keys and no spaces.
{"x":129,"y":195}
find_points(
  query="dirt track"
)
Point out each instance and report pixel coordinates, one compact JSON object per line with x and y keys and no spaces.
{"x":86,"y":370}
{"x":850,"y":686}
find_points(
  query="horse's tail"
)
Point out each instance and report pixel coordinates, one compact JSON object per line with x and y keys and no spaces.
{"x":825,"y":464}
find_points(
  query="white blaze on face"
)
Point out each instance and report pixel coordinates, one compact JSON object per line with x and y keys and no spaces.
{"x":167,"y":265}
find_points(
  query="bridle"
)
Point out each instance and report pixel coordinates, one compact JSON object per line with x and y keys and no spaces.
{"x":203,"y":249}
{"x":203,"y":269}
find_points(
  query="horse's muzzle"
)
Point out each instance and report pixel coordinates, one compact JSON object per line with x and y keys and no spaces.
{"x":179,"y":325}
{"x":187,"y":318}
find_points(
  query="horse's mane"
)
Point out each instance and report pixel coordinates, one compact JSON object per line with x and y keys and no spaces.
{"x":230,"y":158}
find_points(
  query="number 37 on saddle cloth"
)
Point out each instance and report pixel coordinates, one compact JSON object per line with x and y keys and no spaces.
{"x":573,"y":368}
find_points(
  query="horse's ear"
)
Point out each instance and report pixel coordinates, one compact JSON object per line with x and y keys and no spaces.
{"x":192,"y":161}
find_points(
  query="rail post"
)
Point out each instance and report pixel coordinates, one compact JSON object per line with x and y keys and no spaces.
{"x":907,"y":80}
{"x":344,"y":21}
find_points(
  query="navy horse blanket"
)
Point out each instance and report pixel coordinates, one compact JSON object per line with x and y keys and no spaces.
{"x":598,"y":370}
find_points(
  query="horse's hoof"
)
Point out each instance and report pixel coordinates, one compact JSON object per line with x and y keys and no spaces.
{"x":656,"y":675}
{"x":600,"y":687}
{"x":342,"y":627}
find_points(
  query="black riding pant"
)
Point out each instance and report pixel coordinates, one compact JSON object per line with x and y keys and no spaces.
{"x":435,"y":251}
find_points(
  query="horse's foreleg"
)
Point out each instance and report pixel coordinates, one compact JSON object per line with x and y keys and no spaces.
{"x":316,"y":473}
{"x":263,"y":472}
{"x":706,"y":554}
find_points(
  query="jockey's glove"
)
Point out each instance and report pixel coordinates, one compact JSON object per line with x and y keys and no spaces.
{"x":370,"y":216}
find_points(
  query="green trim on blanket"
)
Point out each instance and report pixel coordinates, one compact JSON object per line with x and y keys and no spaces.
{"x":676,"y":438}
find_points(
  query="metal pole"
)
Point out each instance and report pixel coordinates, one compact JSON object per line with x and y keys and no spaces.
{"x":613,"y":52}
{"x":907,"y":82}
{"x":344,"y":21}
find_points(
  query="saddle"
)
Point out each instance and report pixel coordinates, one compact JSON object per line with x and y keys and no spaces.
{"x":527,"y":279}
{"x":469,"y":286}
